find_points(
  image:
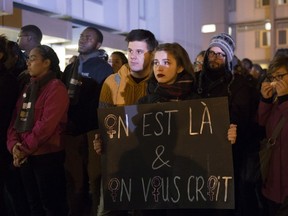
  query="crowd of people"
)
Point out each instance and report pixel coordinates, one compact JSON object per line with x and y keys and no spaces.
{"x":51,"y":145}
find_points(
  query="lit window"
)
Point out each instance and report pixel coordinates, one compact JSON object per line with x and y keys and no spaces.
{"x":262,"y":3}
{"x":282,"y":2}
{"x":263,"y":39}
{"x":265,"y":2}
{"x":208,"y":28}
{"x":268,"y":26}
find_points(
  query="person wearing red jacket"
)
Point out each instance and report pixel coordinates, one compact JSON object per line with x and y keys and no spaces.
{"x":34,"y":134}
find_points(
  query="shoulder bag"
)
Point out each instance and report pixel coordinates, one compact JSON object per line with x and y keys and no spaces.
{"x":266,"y":147}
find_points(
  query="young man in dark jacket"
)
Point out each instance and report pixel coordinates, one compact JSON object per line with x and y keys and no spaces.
{"x":83,"y":79}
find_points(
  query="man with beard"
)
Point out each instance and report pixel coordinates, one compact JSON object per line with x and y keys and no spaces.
{"x":218,"y":80}
{"x":83,"y":79}
{"x":217,"y":67}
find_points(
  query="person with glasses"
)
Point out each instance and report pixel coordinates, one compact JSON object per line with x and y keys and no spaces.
{"x":197,"y":65}
{"x":29,"y":37}
{"x":33,"y":137}
{"x":218,"y":80}
{"x":274,"y":105}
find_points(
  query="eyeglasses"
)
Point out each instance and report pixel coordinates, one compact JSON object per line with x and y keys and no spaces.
{"x":198,"y":63}
{"x":212,"y":54}
{"x":277,"y":77}
{"x":32,"y":59}
{"x":19,"y":36}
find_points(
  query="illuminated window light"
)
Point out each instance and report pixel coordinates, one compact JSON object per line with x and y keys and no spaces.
{"x":208,"y":28}
{"x":268,"y":26}
{"x":229,"y":30}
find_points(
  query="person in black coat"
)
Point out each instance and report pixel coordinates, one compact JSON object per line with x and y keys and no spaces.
{"x":217,"y":79}
{"x":12,"y":196}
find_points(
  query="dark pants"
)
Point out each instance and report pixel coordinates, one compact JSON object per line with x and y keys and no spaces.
{"x":15,"y":194}
{"x":277,"y":209}
{"x":45,"y":185}
{"x":13,"y":200}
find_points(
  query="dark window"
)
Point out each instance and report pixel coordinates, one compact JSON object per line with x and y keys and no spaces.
{"x":282,"y":38}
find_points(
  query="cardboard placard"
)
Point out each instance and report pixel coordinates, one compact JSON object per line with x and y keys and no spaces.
{"x":167,"y":155}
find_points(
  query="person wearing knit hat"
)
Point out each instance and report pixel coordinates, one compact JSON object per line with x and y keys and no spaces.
{"x":226,"y":43}
{"x":217,"y":80}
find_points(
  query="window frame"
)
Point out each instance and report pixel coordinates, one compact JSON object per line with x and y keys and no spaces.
{"x":259,"y":42}
{"x":278,"y":37}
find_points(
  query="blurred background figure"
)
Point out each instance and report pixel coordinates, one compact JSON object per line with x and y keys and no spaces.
{"x":103,"y":54}
{"x":117,"y":59}
{"x":281,"y":52}
{"x":13,"y":200}
{"x":16,"y":61}
{"x":256,"y":71}
{"x":199,"y":61}
{"x":72,"y":59}
{"x":247,"y":63}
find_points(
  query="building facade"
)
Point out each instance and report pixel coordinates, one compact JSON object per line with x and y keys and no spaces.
{"x":181,"y":21}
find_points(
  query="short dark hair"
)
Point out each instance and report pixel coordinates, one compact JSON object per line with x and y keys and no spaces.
{"x":121,"y":56}
{"x":3,"y":47}
{"x":278,"y":62}
{"x":48,"y":53}
{"x":33,"y":29}
{"x":98,"y":33}
{"x":281,"y":52}
{"x":143,"y":35}
{"x":247,"y":63}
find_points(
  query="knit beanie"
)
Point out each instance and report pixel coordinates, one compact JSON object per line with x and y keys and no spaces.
{"x":226,"y":43}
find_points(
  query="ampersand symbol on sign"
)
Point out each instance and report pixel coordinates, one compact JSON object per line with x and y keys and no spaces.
{"x":159,"y":152}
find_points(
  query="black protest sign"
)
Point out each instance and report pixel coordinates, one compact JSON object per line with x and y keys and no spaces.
{"x":167,"y":155}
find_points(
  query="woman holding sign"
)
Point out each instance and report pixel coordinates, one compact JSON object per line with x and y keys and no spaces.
{"x":173,"y":78}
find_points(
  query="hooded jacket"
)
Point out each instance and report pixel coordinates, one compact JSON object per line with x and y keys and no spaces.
{"x":120,"y":89}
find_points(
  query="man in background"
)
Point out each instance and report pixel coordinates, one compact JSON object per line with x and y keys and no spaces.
{"x":83,"y":79}
{"x":29,"y":37}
